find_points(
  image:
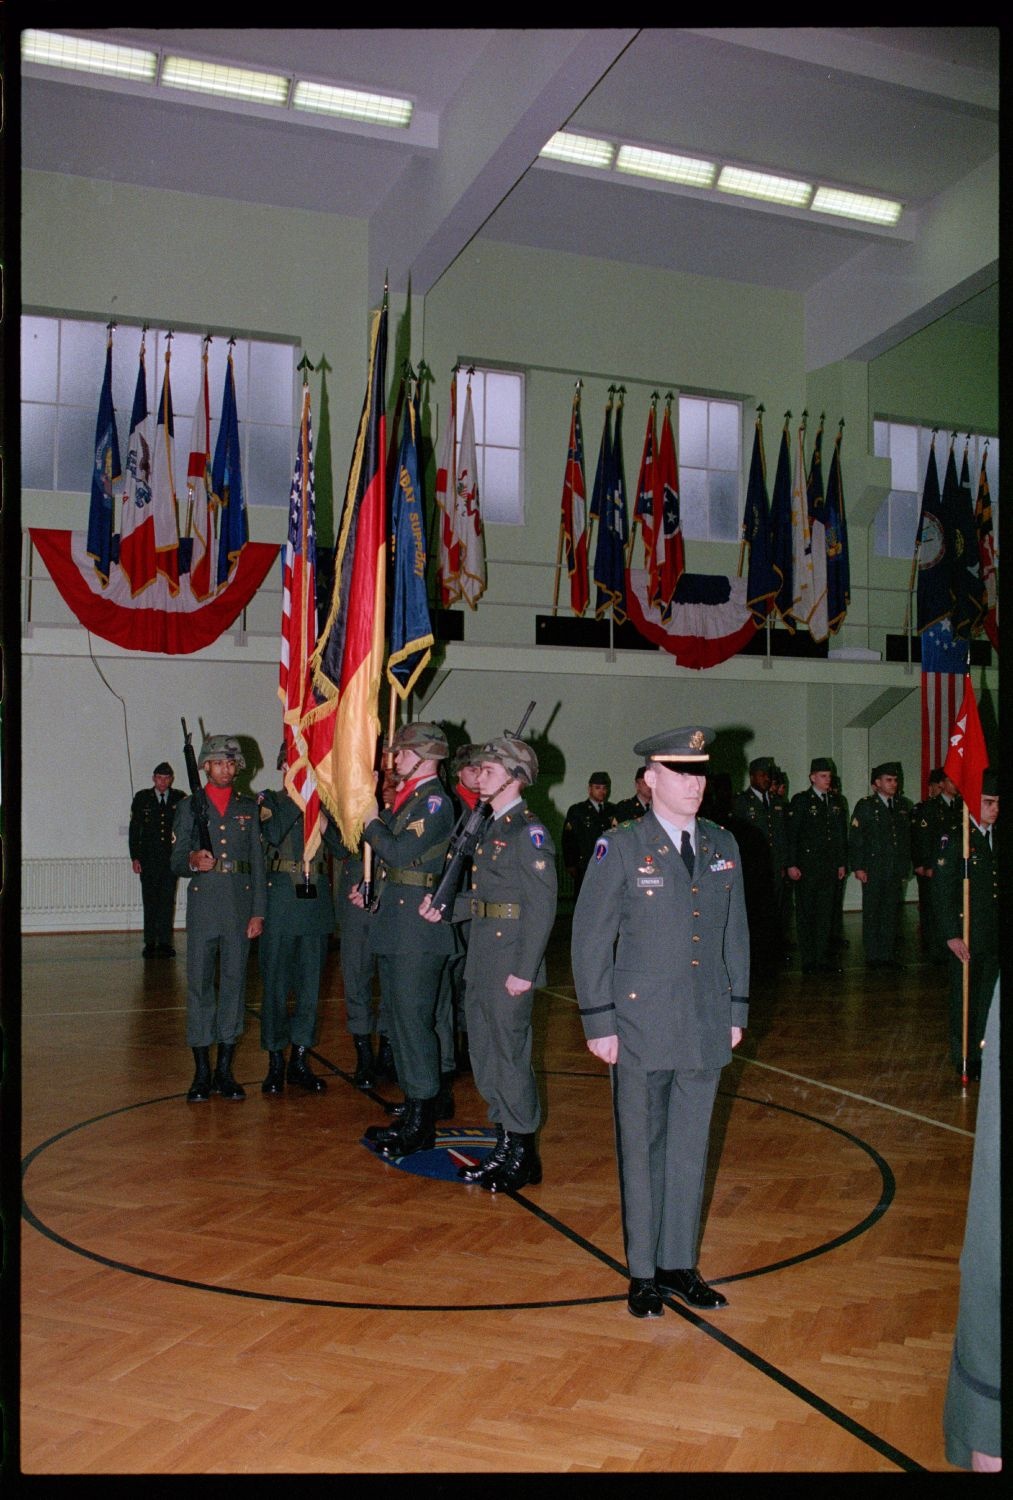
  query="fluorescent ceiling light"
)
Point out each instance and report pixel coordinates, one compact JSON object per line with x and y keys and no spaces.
{"x":83,"y":55}
{"x":856,"y":206}
{"x":352,"y":104}
{"x":764,"y":185}
{"x":688,"y":170}
{"x":583,"y":150}
{"x":223,"y":81}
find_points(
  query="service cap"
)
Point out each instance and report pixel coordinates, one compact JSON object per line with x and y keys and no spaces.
{"x":888,"y":768}
{"x":221,"y":747}
{"x":163,"y":769}
{"x":599,"y":778}
{"x":936,"y":775}
{"x":427,"y":740}
{"x":821,"y":763}
{"x":513,"y":755}
{"x":678,"y":749}
{"x":762,"y":763}
{"x":989,"y":782}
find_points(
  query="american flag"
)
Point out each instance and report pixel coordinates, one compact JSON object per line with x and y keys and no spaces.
{"x":944,"y":666}
{"x":299,"y":634}
{"x":574,"y":513}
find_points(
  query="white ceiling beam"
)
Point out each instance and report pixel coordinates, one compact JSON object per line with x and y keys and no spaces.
{"x":888,"y":292}
{"x":525,"y":86}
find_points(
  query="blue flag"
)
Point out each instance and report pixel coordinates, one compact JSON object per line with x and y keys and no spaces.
{"x":608,"y":503}
{"x":761,"y":580}
{"x":104,"y":475}
{"x":227,"y":483}
{"x":933,"y":573}
{"x":838,"y":561}
{"x":781,"y":540}
{"x":966,"y":587}
{"x":411,"y":635}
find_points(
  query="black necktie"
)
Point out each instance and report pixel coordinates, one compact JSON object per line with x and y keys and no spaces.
{"x":889,"y":803}
{"x":686,"y":850}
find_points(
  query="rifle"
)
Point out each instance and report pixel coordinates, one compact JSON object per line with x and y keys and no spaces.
{"x":465,"y":839}
{"x":200,"y":807}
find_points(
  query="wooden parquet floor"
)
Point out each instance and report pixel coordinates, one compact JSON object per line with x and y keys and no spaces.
{"x":246,"y":1289}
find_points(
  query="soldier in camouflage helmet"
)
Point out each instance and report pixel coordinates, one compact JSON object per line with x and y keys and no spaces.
{"x":225,"y":905}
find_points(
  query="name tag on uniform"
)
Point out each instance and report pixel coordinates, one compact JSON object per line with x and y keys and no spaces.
{"x":650,"y":880}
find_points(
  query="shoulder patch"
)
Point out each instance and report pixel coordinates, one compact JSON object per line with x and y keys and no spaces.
{"x":601,"y":848}
{"x":434,"y":803}
{"x":537,"y":835}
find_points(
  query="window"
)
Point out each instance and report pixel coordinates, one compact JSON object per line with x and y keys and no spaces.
{"x":710,"y":468}
{"x":908,"y":448}
{"x":497,"y":400}
{"x":62,"y":364}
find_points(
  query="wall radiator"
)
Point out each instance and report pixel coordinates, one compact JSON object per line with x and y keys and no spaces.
{"x":84,"y":895}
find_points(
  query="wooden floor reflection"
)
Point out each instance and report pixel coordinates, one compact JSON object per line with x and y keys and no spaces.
{"x":246,"y":1289}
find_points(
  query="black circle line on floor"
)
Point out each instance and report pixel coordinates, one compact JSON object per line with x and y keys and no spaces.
{"x":741,"y":1351}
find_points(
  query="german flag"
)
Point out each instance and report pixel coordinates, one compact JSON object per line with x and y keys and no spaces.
{"x":343,"y":727}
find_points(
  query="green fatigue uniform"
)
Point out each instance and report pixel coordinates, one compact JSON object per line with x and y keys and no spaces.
{"x":511,"y":906}
{"x":983,"y":942}
{"x":150,"y":842}
{"x":818,"y":846}
{"x":972,"y":1416}
{"x":357,"y":962}
{"x":930,"y":821}
{"x":219,"y":904}
{"x":672,"y":989}
{"x":584,"y":825}
{"x":411,"y":844}
{"x":293,"y":945}
{"x":879,"y":842}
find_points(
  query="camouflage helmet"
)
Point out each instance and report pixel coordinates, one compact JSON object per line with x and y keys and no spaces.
{"x":427,"y":740}
{"x":513,"y":755}
{"x":221,"y":747}
{"x":464,"y":755}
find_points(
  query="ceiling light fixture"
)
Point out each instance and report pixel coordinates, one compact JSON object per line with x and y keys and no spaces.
{"x":856,"y":206}
{"x":352,"y":104}
{"x":223,"y":81}
{"x":581,"y":150}
{"x":665,"y":166}
{"x":51,"y":49}
{"x":752,"y":184}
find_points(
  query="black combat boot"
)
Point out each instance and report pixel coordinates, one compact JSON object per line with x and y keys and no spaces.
{"x":381,"y":1134}
{"x":522,"y":1165}
{"x":444,"y":1103}
{"x":491,"y":1163}
{"x":386,"y":1068}
{"x":299,"y":1072}
{"x":223,"y":1082}
{"x":274,"y":1083}
{"x":416,"y":1132}
{"x":365,"y":1065}
{"x":201,"y":1086}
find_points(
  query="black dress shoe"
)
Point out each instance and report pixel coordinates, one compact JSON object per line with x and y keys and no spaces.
{"x":642,"y":1299}
{"x":167,"y":950}
{"x":690,"y":1287}
{"x":149,"y":950}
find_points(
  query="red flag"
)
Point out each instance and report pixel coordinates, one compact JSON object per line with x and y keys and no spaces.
{"x":647,"y":503}
{"x":574,"y":513}
{"x":343,"y":727}
{"x":446,"y":499}
{"x":670,"y":545}
{"x":299,"y":634}
{"x":967,"y":757}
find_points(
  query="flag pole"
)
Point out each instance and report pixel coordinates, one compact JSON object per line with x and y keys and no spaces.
{"x":965,"y":969}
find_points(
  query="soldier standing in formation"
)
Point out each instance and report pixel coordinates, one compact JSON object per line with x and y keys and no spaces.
{"x":939,"y":816}
{"x":879,"y":852}
{"x":758,"y":823}
{"x":293,"y":948}
{"x":981,"y":953}
{"x":638,"y":804}
{"x":584,"y":824}
{"x":150,"y":842}
{"x":817,"y":861}
{"x":410,"y":840}
{"x":225,"y":904}
{"x":664,"y":1008}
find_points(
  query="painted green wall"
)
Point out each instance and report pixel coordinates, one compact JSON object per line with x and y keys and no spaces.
{"x":947,"y":374}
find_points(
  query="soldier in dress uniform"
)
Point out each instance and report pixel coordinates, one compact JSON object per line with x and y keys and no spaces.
{"x":584,"y":824}
{"x":664,"y":1007}
{"x":358,"y":966}
{"x":637,"y":805}
{"x":410,"y":841}
{"x":759,"y":825}
{"x":940,"y":814}
{"x":150,"y":842}
{"x":817,"y":861}
{"x":879,"y":852}
{"x":510,"y":907}
{"x":226,"y":900}
{"x":981,"y":953}
{"x":293,"y":948}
